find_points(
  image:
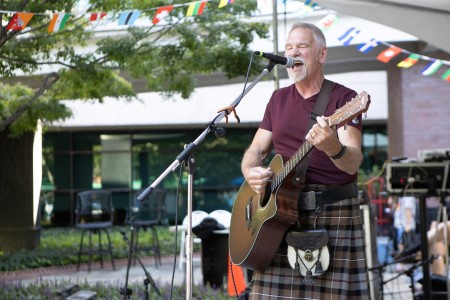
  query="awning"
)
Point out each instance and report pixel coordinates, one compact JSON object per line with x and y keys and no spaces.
{"x":427,"y":20}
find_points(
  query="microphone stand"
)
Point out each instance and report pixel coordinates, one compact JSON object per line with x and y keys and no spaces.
{"x":126,"y":292}
{"x":381,"y":268}
{"x":185,"y":156}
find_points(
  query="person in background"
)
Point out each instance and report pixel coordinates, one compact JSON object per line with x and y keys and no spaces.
{"x":334,"y":164}
{"x":404,"y":219}
{"x":437,"y":236}
{"x":404,"y":225}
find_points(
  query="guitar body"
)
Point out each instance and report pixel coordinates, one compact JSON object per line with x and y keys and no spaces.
{"x":259,"y":221}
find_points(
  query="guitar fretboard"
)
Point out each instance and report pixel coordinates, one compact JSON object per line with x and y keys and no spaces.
{"x":290,"y":165}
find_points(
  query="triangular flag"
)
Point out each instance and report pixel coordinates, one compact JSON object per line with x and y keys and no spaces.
{"x":348,"y":36}
{"x":196,"y":8}
{"x":446,"y":75}
{"x":432,"y":68}
{"x":129,"y":17}
{"x":225,"y":3}
{"x":388,"y":54}
{"x":97,"y":16}
{"x":409,"y":61}
{"x":309,"y":5}
{"x":58,"y":22}
{"x":19,"y":21}
{"x":161,"y":13}
{"x":365,"y":48}
{"x":327,"y":22}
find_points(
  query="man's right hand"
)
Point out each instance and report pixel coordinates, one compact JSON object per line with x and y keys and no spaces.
{"x":258,"y":177}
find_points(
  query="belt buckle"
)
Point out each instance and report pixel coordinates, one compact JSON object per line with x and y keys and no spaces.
{"x":308,"y":200}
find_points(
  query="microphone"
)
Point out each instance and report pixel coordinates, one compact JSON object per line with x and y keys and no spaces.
{"x":288,"y":62}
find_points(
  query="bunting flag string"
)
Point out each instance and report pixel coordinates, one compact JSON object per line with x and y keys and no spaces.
{"x":20,"y":20}
{"x":349,"y":33}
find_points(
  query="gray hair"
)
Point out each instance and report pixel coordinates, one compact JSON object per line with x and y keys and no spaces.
{"x":318,"y":34}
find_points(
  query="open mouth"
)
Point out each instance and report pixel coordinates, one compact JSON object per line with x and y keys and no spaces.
{"x":298,"y":63}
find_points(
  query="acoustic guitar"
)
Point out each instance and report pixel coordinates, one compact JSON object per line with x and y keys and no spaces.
{"x":259,"y":221}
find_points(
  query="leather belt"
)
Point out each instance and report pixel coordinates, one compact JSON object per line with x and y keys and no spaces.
{"x":314,"y":200}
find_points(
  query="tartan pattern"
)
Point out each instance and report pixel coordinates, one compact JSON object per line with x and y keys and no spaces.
{"x":346,"y":278}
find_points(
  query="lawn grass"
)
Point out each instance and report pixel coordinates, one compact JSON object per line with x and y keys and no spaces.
{"x":59,"y":247}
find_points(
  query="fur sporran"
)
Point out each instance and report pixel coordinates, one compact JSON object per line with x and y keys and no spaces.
{"x":308,"y":252}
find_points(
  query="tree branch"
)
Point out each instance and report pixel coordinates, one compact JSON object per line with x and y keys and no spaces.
{"x":49,"y":81}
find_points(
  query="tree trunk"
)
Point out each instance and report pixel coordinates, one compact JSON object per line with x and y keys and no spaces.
{"x":19,"y":203}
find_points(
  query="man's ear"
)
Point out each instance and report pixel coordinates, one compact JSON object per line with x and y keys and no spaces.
{"x":323,"y":55}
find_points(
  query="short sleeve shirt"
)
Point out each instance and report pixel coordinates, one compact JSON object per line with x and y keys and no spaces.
{"x":287,"y":115}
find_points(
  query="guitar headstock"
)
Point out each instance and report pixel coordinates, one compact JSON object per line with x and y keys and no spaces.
{"x":350,"y":110}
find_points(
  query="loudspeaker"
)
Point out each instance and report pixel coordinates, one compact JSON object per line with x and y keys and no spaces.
{"x":215,"y":259}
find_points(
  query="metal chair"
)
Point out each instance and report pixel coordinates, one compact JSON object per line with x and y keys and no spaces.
{"x":94,"y":214}
{"x":148,"y":214}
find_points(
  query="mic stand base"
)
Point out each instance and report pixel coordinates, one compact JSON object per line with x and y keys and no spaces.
{"x":126,"y":291}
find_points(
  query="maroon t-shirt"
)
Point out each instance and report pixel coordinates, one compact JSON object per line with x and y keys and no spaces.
{"x":287,"y":115}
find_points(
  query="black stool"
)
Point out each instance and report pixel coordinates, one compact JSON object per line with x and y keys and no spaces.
{"x":94,"y":214}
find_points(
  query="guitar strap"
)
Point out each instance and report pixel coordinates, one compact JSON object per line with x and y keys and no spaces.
{"x":319,"y":110}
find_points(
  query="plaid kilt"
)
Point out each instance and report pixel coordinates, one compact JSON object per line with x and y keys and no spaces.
{"x":346,"y":277}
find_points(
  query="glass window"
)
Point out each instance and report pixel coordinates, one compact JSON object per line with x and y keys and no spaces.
{"x":126,"y":163}
{"x":375,"y":147}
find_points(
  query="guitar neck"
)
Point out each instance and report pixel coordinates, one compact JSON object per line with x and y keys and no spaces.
{"x":290,"y":165}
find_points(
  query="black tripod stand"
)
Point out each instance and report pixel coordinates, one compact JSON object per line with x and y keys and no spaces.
{"x":408,"y":272}
{"x":126,"y":292}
